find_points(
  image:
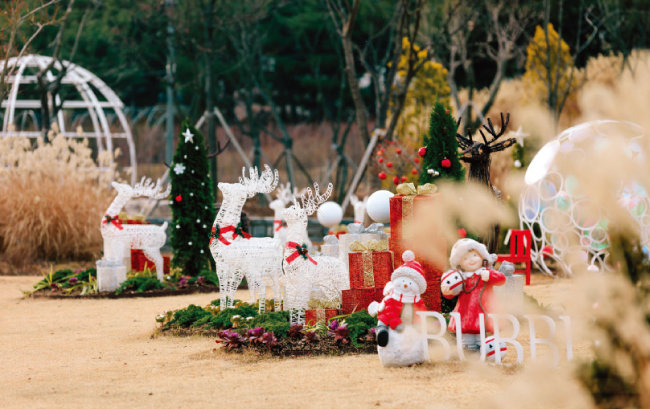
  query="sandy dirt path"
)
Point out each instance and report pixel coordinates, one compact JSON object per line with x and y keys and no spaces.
{"x":100,"y":354}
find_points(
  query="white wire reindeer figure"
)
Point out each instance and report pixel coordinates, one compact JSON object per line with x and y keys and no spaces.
{"x":326,"y":276}
{"x":121,"y":238}
{"x":284,"y":196}
{"x":236,"y":254}
{"x":359,"y":208}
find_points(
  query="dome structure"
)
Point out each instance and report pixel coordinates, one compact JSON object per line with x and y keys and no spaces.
{"x":88,"y":107}
{"x":563,"y":220}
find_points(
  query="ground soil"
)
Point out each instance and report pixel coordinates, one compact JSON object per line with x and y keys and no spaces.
{"x":99,"y":353}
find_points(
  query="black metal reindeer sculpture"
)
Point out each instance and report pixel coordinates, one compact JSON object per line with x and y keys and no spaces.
{"x":477,"y":155}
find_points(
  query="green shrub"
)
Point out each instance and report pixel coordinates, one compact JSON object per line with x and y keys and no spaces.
{"x":276,"y":322}
{"x":223,"y":319}
{"x":140,"y":284}
{"x":188,"y":316}
{"x":359,"y":323}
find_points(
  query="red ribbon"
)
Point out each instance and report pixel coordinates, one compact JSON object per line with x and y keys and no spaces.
{"x":279,"y":224}
{"x":115,"y":220}
{"x":301,"y":250}
{"x":239,"y":231}
{"x":217,"y":233}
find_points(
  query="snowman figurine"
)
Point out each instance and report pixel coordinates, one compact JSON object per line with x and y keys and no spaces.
{"x":399,"y":342}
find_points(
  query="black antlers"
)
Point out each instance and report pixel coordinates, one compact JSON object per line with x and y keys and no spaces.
{"x":472,"y":149}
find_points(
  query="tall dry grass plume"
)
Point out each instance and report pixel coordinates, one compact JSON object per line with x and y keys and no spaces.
{"x":52,"y":197}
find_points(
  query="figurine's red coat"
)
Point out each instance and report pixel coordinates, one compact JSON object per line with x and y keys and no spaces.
{"x":468,"y":303}
{"x":391,"y":314}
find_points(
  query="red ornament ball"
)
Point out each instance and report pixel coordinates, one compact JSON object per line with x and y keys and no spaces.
{"x":389,"y":164}
{"x":404,"y":179}
{"x":547,"y":251}
{"x":179,"y":198}
{"x":382,"y":175}
{"x":462,"y":233}
{"x":396,"y":180}
{"x":445,"y":163}
{"x":414,"y":171}
{"x":398,"y":151}
{"x":422,"y":151}
{"x":380,"y":160}
{"x":416,"y":160}
{"x":447,"y":111}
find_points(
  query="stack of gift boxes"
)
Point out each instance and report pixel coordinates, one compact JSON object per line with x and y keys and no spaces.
{"x":404,"y":208}
{"x":371,"y":260}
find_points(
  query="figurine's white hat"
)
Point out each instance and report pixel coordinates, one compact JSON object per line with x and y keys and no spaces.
{"x":411,"y":269}
{"x":462,"y":246}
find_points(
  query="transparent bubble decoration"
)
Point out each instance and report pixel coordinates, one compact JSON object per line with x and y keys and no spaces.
{"x":90,"y":110}
{"x":308,"y":276}
{"x":120,"y":238}
{"x":561,"y":220}
{"x":236,"y":253}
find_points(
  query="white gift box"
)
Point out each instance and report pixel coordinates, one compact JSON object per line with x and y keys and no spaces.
{"x":330,"y":246}
{"x":110,"y":274}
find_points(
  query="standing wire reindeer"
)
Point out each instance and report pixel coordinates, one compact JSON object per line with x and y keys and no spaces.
{"x":283,"y":197}
{"x":359,"y":208}
{"x":304,"y":274}
{"x":236,"y":254}
{"x":478,"y":155}
{"x":120,"y":238}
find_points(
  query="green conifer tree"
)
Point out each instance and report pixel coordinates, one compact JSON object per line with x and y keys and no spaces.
{"x":192,"y":202}
{"x":441,"y":148}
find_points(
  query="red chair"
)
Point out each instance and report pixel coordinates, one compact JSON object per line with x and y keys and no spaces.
{"x":520,"y":241}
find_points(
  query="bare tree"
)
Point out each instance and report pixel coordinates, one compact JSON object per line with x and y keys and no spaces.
{"x":21,"y":22}
{"x":380,"y":64}
{"x":478,"y":28}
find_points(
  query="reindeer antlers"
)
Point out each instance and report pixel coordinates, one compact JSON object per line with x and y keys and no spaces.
{"x":490,"y":128}
{"x":148,"y":189}
{"x":264,"y":183}
{"x":471,"y":148}
{"x":284,"y":193}
{"x":310,"y":201}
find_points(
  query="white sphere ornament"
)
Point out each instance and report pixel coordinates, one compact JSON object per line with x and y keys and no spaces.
{"x":378,"y":206}
{"x":329,"y":214}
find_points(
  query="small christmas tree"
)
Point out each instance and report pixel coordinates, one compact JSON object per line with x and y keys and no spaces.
{"x":192,"y":202}
{"x":440,"y":158}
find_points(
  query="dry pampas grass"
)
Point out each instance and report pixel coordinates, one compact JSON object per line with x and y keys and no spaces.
{"x":52,"y":197}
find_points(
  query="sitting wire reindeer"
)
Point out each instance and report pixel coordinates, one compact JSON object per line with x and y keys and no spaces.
{"x":283,"y":197}
{"x":306,"y":275}
{"x":121,"y":238}
{"x":235,"y":252}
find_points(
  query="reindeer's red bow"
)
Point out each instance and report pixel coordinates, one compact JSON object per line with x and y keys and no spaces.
{"x":279,"y":224}
{"x":301,"y":250}
{"x":113,"y":219}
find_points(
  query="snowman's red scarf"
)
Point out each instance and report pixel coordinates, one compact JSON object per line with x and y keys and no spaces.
{"x":403,"y":298}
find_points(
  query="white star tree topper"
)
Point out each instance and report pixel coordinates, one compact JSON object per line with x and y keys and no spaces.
{"x":188,"y":136}
{"x":519,"y":135}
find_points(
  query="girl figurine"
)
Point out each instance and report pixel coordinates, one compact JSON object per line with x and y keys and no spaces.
{"x":472,"y":279}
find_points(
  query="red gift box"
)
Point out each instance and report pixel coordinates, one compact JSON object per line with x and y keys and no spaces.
{"x":139,"y":262}
{"x":319,"y":315}
{"x":370,"y":269}
{"x":359,"y":299}
{"x":404,"y":208}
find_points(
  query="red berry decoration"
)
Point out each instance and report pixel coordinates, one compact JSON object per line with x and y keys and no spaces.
{"x":398,"y":151}
{"x":462,"y":233}
{"x":382,"y":175}
{"x":446,"y":111}
{"x":404,"y":179}
{"x":414,"y":171}
{"x":445,"y":163}
{"x":380,"y":160}
{"x":389,"y":164}
{"x":380,"y":153}
{"x":396,"y":180}
{"x":179,"y":198}
{"x":422,"y":151}
{"x":416,"y":160}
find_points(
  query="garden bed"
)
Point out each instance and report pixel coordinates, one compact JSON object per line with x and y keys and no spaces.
{"x":67,"y":283}
{"x":242,"y":329}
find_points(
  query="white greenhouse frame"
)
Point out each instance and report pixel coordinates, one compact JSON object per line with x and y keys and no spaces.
{"x":80,"y":78}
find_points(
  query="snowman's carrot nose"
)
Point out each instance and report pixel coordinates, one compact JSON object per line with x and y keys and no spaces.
{"x":405,"y":286}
